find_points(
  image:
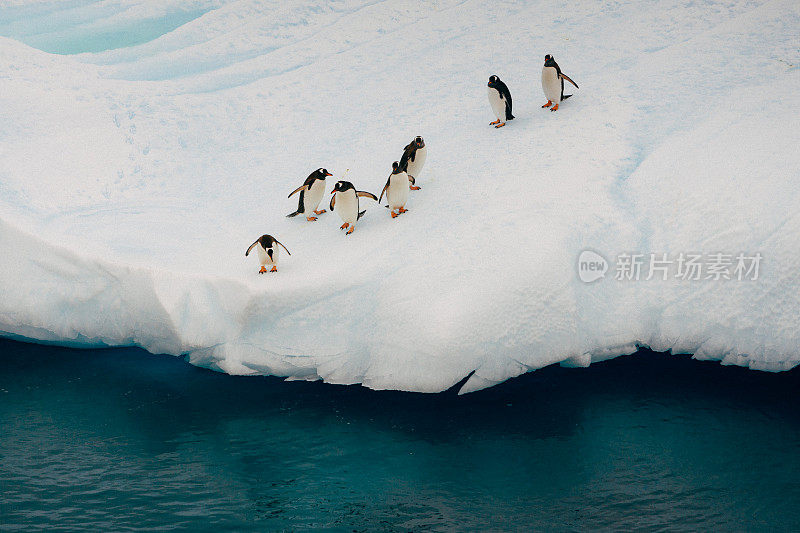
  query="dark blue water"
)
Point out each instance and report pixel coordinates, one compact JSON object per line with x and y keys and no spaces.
{"x":121,"y":439}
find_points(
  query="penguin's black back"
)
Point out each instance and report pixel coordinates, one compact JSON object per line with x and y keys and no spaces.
{"x":502,"y":88}
{"x":409,"y":153}
{"x":266,"y":241}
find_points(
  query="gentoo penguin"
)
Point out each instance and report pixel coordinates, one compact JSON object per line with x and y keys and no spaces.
{"x":413,"y":160}
{"x":267,"y":252}
{"x":500,"y":99}
{"x":396,"y":190}
{"x":553,"y":82}
{"x":345,"y":202}
{"x":311,"y":192}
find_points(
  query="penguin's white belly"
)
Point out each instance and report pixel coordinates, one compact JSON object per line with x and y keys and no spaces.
{"x":551,"y":84}
{"x":263,"y":256}
{"x":415,"y":166}
{"x":347,"y":206}
{"x":498,"y":105}
{"x":313,"y":196}
{"x":397,"y":194}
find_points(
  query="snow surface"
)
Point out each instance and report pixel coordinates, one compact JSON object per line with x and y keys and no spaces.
{"x":132,"y":180}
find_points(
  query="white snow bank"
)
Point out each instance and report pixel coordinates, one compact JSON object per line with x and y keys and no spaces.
{"x":133,"y":180}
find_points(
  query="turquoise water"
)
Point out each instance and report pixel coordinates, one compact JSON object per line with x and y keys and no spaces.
{"x":116,"y":439}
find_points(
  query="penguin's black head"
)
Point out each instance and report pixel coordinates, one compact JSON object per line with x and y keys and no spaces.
{"x":493,"y":80}
{"x":419,"y":142}
{"x":323,"y":173}
{"x":342,"y":186}
{"x":396,"y":167}
{"x":549,"y":61}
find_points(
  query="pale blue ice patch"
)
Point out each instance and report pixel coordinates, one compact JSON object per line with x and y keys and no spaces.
{"x":86,"y":27}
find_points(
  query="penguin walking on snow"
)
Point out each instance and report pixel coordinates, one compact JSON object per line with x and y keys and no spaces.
{"x":345,"y":202}
{"x":553,"y":82}
{"x":396,"y":190}
{"x":413,"y":160}
{"x":311,"y":192}
{"x":267,"y":249}
{"x":500,"y":100}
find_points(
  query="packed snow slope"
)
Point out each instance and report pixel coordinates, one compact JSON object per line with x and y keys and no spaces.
{"x":143,"y":148}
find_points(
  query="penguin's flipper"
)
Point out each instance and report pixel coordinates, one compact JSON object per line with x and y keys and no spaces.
{"x":333,"y":201}
{"x":564,"y":76}
{"x":384,"y":190}
{"x":361,"y":214}
{"x":251,"y":247}
{"x":300,"y":188}
{"x":287,"y":250}
{"x":411,"y":179}
{"x":367,"y":195}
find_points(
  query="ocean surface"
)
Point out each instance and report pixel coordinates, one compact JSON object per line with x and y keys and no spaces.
{"x":120,"y":439}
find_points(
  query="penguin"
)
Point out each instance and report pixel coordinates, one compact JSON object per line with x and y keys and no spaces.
{"x":396,"y":190}
{"x":413,"y":160}
{"x":345,"y":201}
{"x":500,"y":99}
{"x":267,"y":252}
{"x":553,"y":82}
{"x":311,"y":192}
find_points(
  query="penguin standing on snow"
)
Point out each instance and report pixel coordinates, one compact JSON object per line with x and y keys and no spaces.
{"x":500,"y":100}
{"x":311,"y":192}
{"x":345,"y":202}
{"x":267,"y":252}
{"x":396,"y":190}
{"x":413,"y":160}
{"x":553,"y":82}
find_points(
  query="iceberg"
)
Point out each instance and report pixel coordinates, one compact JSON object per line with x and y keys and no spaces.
{"x":133,"y":179}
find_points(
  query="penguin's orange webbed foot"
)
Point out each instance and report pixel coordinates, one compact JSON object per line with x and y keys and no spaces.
{"x":274,"y":269}
{"x":548,"y":104}
{"x":263,"y":269}
{"x":320,"y":212}
{"x":402,"y":210}
{"x":500,"y":125}
{"x":311,"y":219}
{"x":495,"y":122}
{"x":414,"y":188}
{"x":343,"y":226}
{"x":351,"y":230}
{"x":555,"y":107}
{"x":394,"y":215}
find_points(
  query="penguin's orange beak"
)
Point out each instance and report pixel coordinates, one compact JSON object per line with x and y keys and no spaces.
{"x":328,"y":174}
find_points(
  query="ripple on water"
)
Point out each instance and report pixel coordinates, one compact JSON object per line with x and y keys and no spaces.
{"x":114,"y":439}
